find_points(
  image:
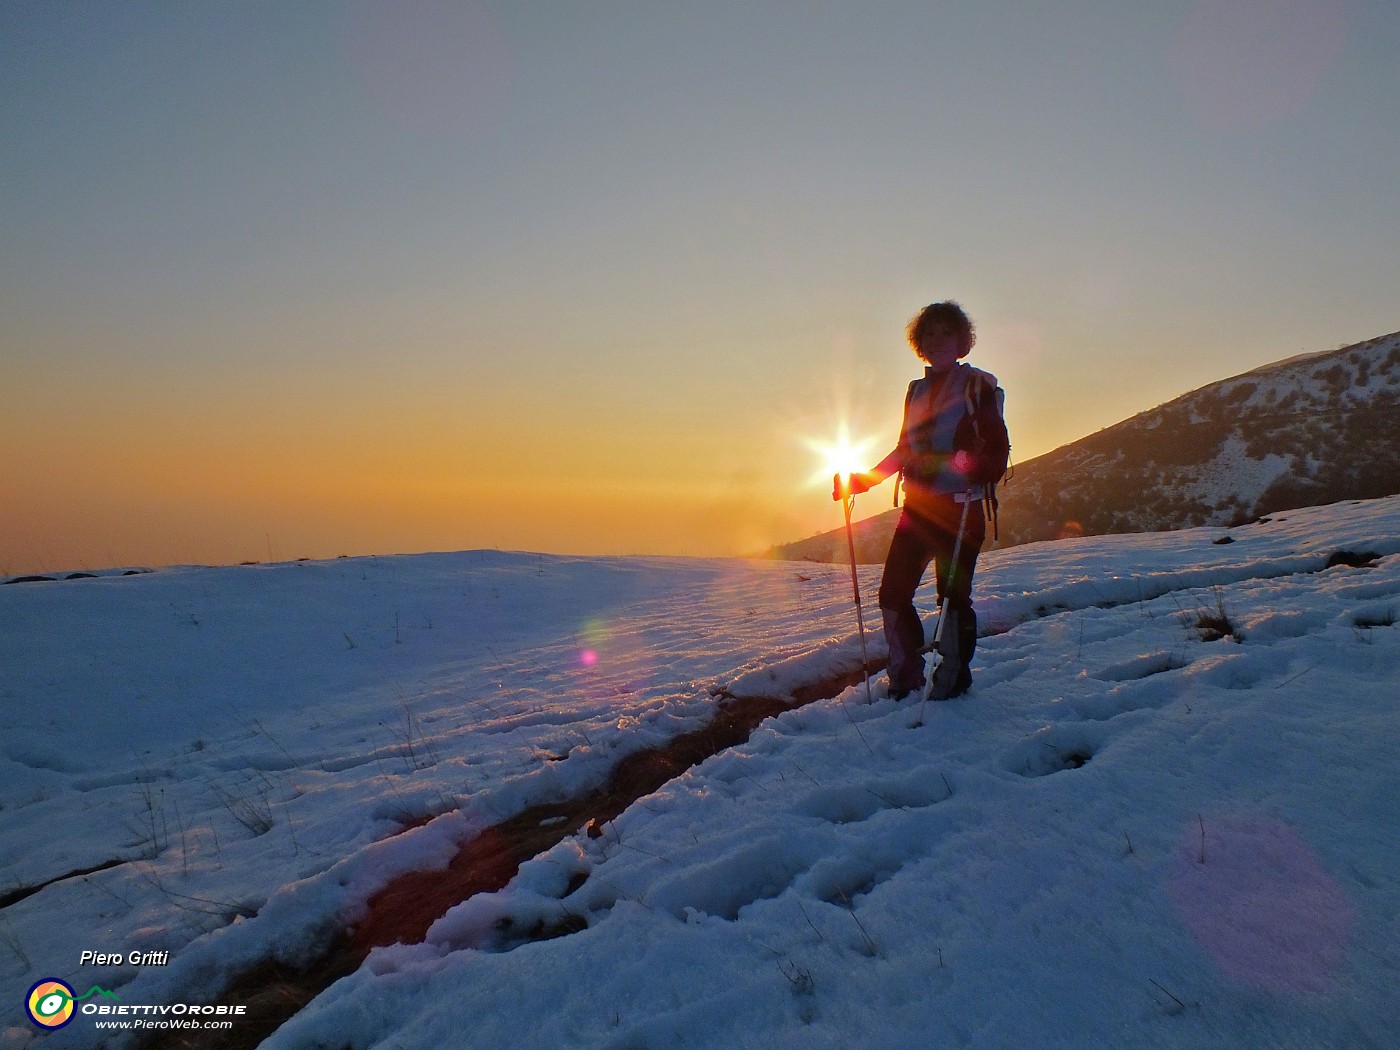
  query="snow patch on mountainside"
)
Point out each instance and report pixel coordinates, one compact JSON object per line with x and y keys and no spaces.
{"x":1234,"y":476}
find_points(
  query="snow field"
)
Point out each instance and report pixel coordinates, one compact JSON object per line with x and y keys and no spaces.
{"x":1019,"y":867}
{"x":231,"y":742}
{"x":948,"y":886}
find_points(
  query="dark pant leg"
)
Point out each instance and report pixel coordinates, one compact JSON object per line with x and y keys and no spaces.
{"x":957,"y":624}
{"x":927,"y":532}
{"x":910,"y":552}
{"x":955,"y":581}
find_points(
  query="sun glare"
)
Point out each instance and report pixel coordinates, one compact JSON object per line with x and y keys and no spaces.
{"x":843,"y":456}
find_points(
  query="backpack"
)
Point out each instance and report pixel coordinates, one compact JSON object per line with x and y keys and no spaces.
{"x":981,"y":432}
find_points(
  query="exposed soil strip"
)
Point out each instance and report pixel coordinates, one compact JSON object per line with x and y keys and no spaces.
{"x":403,"y":911}
{"x":15,"y":896}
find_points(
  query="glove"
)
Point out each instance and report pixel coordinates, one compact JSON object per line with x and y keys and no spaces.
{"x":854,"y":485}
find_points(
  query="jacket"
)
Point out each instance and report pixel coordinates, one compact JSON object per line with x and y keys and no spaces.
{"x":953,"y":439}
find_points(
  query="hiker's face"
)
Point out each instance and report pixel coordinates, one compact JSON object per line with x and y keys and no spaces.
{"x":941,"y":348}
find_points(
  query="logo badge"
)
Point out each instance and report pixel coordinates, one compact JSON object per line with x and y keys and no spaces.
{"x":50,"y":1003}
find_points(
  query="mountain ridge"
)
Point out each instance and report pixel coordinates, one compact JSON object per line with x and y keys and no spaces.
{"x":1311,"y":429}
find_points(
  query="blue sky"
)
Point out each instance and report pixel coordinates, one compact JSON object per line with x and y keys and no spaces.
{"x":299,"y":280}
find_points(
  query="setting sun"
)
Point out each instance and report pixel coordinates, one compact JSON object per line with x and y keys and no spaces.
{"x":844,"y":456}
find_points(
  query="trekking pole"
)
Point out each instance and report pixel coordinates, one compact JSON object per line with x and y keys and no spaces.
{"x":943,"y":605}
{"x":848,"y":502}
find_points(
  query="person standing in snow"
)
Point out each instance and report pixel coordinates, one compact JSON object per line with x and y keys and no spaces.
{"x":953,"y":448}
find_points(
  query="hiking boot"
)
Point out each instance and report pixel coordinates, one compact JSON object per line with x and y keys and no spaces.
{"x":950,"y":679}
{"x":958,"y":638}
{"x":899,"y":690}
{"x":904,"y":634}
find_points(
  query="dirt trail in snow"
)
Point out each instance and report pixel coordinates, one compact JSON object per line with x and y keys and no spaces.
{"x":402,"y":911}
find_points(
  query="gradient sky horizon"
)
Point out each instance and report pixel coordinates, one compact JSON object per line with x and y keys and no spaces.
{"x":303,"y":280}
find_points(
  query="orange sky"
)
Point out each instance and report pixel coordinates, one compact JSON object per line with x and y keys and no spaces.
{"x":586,"y":280}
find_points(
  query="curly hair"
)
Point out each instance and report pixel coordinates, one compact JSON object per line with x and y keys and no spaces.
{"x":937,"y":319}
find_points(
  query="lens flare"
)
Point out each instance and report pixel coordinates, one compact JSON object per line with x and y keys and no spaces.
{"x":593,"y":637}
{"x":1262,"y":905}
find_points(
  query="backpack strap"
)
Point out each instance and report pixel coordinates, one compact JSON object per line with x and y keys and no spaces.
{"x":908,"y":400}
{"x":989,"y":508}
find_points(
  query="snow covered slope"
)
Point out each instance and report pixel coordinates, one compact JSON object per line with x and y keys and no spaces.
{"x":1306,"y":431}
{"x":1165,"y":816}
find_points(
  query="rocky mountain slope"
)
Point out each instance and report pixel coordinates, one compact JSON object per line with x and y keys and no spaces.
{"x":1308,"y":430}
